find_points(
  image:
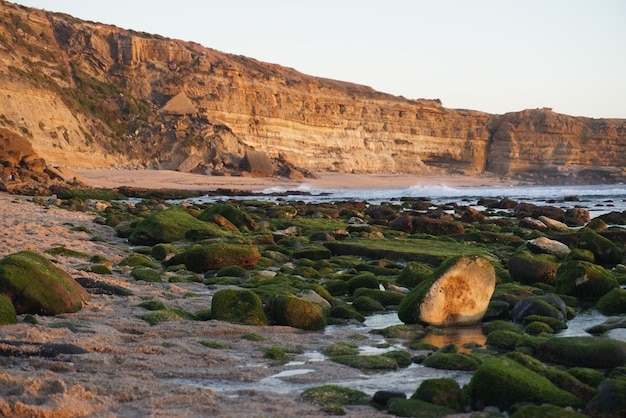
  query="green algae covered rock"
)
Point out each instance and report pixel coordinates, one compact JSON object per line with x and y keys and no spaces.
{"x":613,"y":302}
{"x":171,"y":225}
{"x":443,"y":391}
{"x":528,"y":268}
{"x":610,"y":400}
{"x":36,"y":286}
{"x":333,"y":398}
{"x":7,"y":311}
{"x":239,"y":307}
{"x":234,"y":215}
{"x":297,"y":312}
{"x":593,"y":352}
{"x":417,"y":408}
{"x":217,"y":256}
{"x":452,"y":361}
{"x":604,"y":250}
{"x":504,"y":382}
{"x":584,"y":280}
{"x":367,"y":362}
{"x":457,"y":293}
{"x":146,"y":274}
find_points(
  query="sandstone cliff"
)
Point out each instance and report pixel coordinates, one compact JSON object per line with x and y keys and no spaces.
{"x":93,"y":95}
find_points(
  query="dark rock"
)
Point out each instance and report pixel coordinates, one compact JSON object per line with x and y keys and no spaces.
{"x":381,"y":397}
{"x":576,"y":217}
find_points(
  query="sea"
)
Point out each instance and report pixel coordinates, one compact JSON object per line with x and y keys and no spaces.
{"x":597,"y":199}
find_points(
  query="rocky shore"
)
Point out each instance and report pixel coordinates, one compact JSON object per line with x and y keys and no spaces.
{"x":192,"y":310}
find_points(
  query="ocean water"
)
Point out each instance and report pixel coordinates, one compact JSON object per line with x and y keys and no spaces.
{"x":598,"y":199}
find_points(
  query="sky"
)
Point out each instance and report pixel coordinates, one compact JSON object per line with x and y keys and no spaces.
{"x":495,"y":56}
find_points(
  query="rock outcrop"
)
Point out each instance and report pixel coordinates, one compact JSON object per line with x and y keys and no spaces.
{"x":93,"y":95}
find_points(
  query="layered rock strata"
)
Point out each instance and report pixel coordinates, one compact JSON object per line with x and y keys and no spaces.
{"x":87,"y":94}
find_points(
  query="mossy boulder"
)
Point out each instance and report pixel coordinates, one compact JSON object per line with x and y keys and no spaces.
{"x":452,"y":361}
{"x":502,"y":339}
{"x":443,"y":391}
{"x":7,"y":311}
{"x":413,"y":274}
{"x":367,"y":362}
{"x":588,"y":376}
{"x":297,"y":312}
{"x":171,"y":225}
{"x":458,"y":293}
{"x":430,"y":226}
{"x":610,"y":400}
{"x":560,"y":378}
{"x":234,"y":215}
{"x":417,"y":408}
{"x":217,"y":256}
{"x":363,"y":280}
{"x":584,"y":280}
{"x":613,"y":302}
{"x":139,"y":260}
{"x":146,"y":274}
{"x":550,"y":305}
{"x":528,"y":268}
{"x":503,"y":382}
{"x":332,"y":398}
{"x":604,"y":250}
{"x":161,"y":251}
{"x":336,"y":287}
{"x":367,"y":305}
{"x":36,"y":286}
{"x":239,"y":307}
{"x":384,"y":297}
{"x":500,"y":324}
{"x":593,"y":352}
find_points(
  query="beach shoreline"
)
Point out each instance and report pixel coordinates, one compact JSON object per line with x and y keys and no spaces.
{"x":175,"y":180}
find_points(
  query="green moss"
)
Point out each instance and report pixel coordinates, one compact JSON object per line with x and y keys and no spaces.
{"x":152,"y":305}
{"x":413,"y":274}
{"x":236,"y":216}
{"x":345,"y":311}
{"x":239,"y":307}
{"x":613,"y":302}
{"x":504,"y":382}
{"x":218,"y":345}
{"x":66,"y":252}
{"x":553,"y":323}
{"x":146,"y":274}
{"x":384,"y":297}
{"x":452,"y":361}
{"x":139,"y":260}
{"x":217,"y":256}
{"x":99,"y":269}
{"x":584,"y":280}
{"x":363,"y":280}
{"x":367,"y":305}
{"x":35,"y":285}
{"x":406,"y":332}
{"x":253,"y":336}
{"x":161,"y":251}
{"x":593,"y":352}
{"x":501,"y":325}
{"x":297,"y":312}
{"x":171,"y":225}
{"x":282,"y":354}
{"x":442,"y":392}
{"x":586,"y":375}
{"x":538,"y":327}
{"x":417,"y":408}
{"x":403,"y":358}
{"x":337,"y":287}
{"x":604,"y":250}
{"x":84,"y":194}
{"x":331,"y":397}
{"x":164,"y":315}
{"x":367,"y":362}
{"x":7,"y":312}
{"x":341,"y":349}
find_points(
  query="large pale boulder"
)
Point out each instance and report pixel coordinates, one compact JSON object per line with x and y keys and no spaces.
{"x":458,"y":293}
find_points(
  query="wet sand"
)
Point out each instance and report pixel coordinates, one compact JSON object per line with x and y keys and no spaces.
{"x":166,"y":179}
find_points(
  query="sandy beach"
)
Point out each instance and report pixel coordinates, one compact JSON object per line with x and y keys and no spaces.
{"x":167,"y":179}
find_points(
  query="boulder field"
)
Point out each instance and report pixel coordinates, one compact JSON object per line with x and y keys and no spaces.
{"x":300,"y":267}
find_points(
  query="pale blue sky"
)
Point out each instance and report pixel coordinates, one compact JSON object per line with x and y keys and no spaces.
{"x":496,"y":56}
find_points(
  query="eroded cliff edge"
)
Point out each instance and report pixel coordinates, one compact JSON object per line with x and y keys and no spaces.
{"x":93,"y":95}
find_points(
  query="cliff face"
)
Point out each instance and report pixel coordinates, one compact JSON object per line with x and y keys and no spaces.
{"x":88,"y":94}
